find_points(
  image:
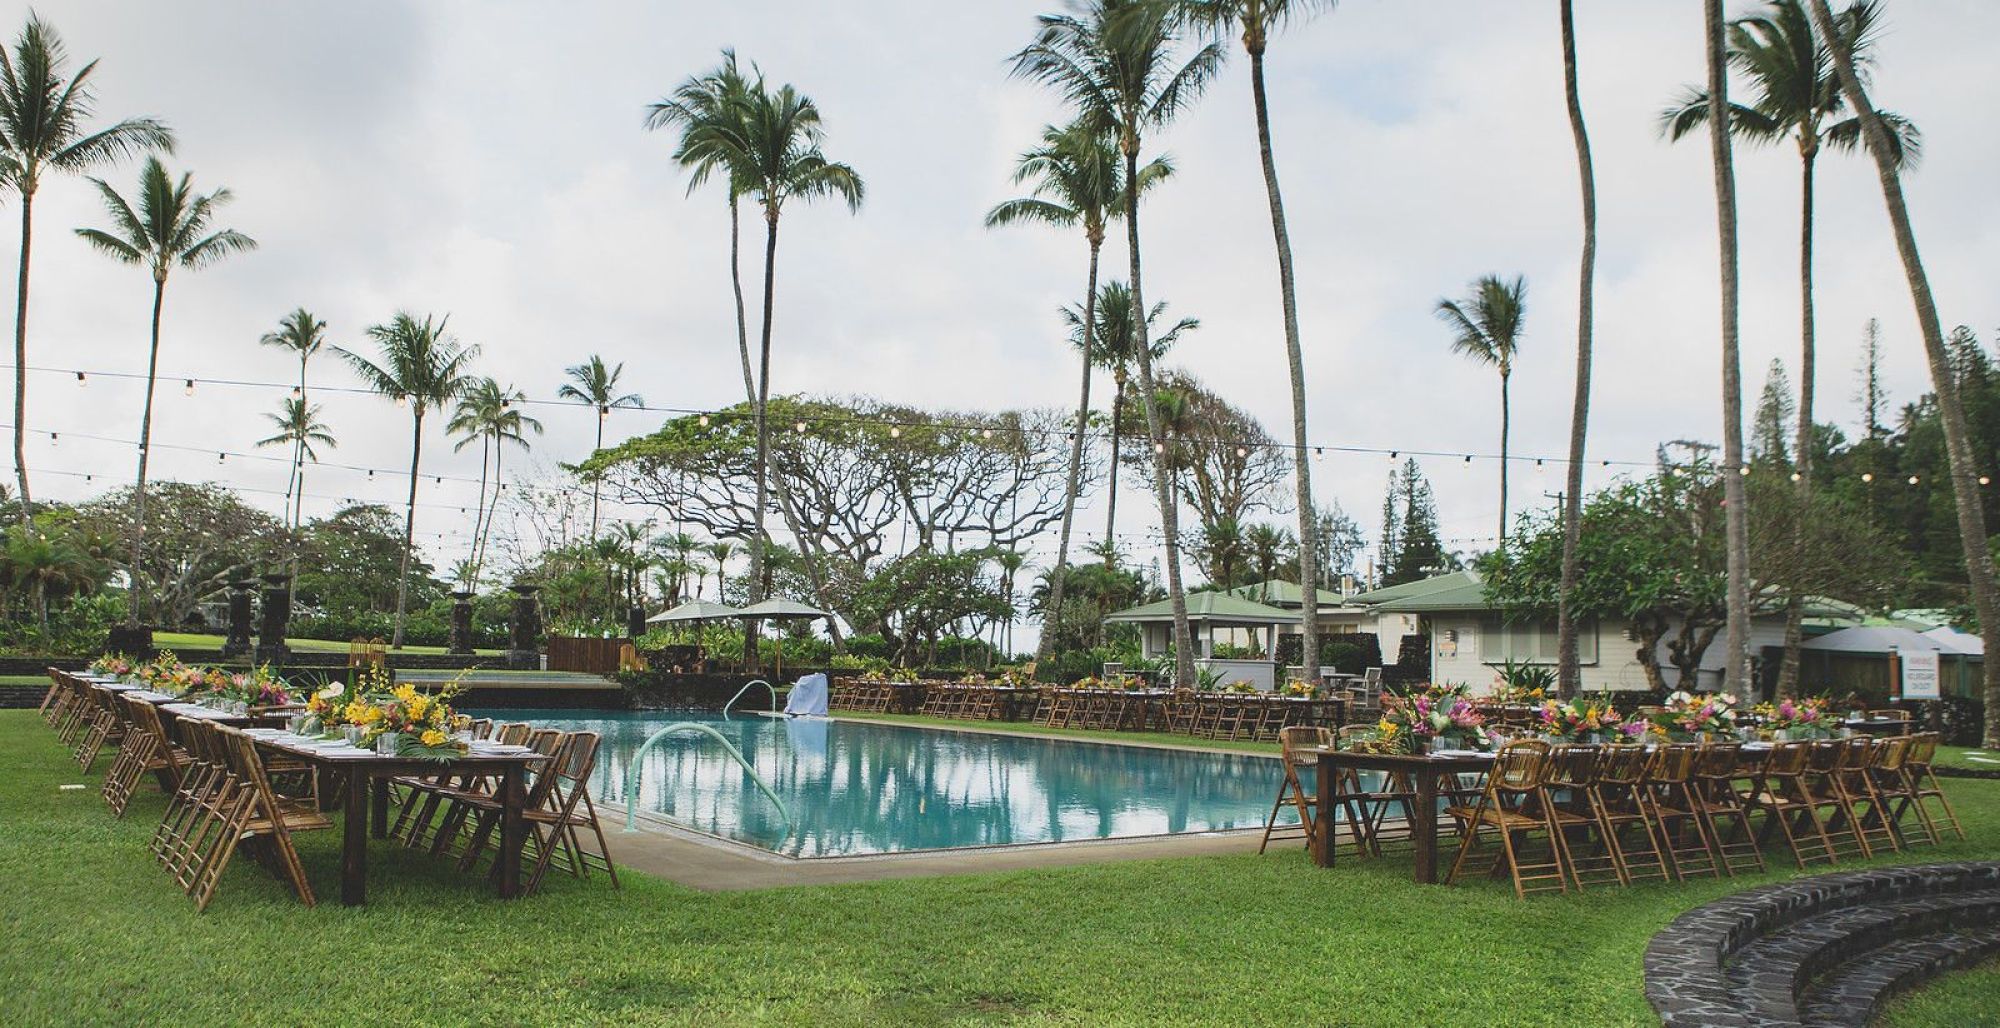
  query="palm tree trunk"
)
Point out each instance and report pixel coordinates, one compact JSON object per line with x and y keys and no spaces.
{"x":1570,"y":672}
{"x":1170,"y":528}
{"x":21,"y":354}
{"x":1295,"y":357}
{"x":492,"y":512}
{"x":137,"y":597}
{"x":1736,"y":641}
{"x":1958,"y":441}
{"x":736,"y":286}
{"x":298,"y":486}
{"x":1046,"y":643}
{"x":478,"y":514}
{"x":409,"y":521}
{"x":1788,"y":670}
{"x":1506,"y":424}
{"x":758,"y":542}
{"x":596,"y":482}
{"x":1111,"y":500}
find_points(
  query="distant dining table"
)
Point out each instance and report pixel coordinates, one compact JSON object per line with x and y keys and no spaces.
{"x":1423,"y":774}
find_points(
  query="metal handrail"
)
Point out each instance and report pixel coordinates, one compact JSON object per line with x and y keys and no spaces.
{"x":632,"y":770}
{"x":746,"y":688}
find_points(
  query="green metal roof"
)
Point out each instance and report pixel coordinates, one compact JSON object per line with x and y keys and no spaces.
{"x":1209,"y":606}
{"x":1279,"y":593}
{"x":1460,"y":590}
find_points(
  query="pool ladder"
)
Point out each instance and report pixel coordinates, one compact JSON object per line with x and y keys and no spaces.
{"x":632,"y":769}
{"x":747,"y":686}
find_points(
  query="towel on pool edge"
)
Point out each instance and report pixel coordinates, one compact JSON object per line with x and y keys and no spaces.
{"x":808,"y":696}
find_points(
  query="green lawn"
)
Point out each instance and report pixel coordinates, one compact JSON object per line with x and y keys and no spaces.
{"x":1960,"y":756}
{"x":1954,"y":1001}
{"x":203,"y":641}
{"x":96,"y":933}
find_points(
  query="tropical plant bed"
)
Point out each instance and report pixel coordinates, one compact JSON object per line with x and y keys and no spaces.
{"x":1205,"y":940}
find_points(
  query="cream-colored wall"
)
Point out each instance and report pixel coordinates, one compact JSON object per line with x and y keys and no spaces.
{"x":1616,"y":668}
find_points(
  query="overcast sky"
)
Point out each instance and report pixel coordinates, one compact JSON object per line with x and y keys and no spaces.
{"x":486,"y":159}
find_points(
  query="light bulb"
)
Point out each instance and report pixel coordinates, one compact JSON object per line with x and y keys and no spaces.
{"x":895,"y":431}
{"x":401,"y":401}
{"x":1242,"y":452}
{"x":1983,"y":480}
{"x":1868,"y":476}
{"x":704,"y":421}
{"x":799,"y":427}
{"x":1159,"y":447}
{"x":1796,"y":476}
{"x":297,"y":392}
{"x":1744,"y":471}
{"x":80,"y":379}
{"x":190,"y":387}
{"x":1913,"y":480}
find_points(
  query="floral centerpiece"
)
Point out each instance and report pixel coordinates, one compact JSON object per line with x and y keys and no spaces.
{"x":1298,"y":689}
{"x":1018,"y":677}
{"x":1240,"y":687}
{"x":259,"y":687}
{"x":165,"y":673}
{"x":1439,"y":715}
{"x":399,"y":721}
{"x":1088,"y":682}
{"x":1688,"y":717}
{"x":113,"y":665}
{"x":1797,"y":718}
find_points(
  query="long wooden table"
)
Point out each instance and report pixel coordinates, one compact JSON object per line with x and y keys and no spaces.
{"x":365,"y":803}
{"x":1423,"y":773}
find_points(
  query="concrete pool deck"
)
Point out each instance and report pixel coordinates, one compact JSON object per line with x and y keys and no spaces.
{"x":710,"y":864}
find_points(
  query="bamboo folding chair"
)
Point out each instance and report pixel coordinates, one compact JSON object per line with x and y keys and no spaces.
{"x":200,"y":819}
{"x":1920,"y":768}
{"x":76,"y":712}
{"x":1365,"y":811}
{"x":1856,"y":783}
{"x":1277,"y":713}
{"x":569,"y":810}
{"x":1617,"y":799}
{"x":1565,"y":795}
{"x":1717,"y":767}
{"x":1889,"y":714}
{"x":52,"y":700}
{"x":1784,"y":797}
{"x":258,"y":817}
{"x":106,"y":728}
{"x":1826,"y":762}
{"x":481,"y":810}
{"x":162,"y":759}
{"x":135,"y":757}
{"x":1511,"y":807}
{"x":417,"y":823}
{"x":1675,"y":811}
{"x":1898,"y":794}
{"x":1291,"y":787}
{"x":1182,"y":708}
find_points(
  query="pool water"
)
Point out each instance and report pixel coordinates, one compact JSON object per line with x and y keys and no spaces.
{"x":857,"y":789}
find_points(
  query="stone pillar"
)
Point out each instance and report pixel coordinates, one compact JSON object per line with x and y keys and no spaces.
{"x":271,"y":648}
{"x":461,"y":624}
{"x":635,"y":623}
{"x":524,"y":630}
{"x":237,"y":642}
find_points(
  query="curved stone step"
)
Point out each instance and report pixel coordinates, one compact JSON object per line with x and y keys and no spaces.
{"x":1772,"y":973}
{"x":1851,"y":995}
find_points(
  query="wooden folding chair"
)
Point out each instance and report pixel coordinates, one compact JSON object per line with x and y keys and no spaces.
{"x":1565,"y":795}
{"x":1510,"y":807}
{"x":162,"y":759}
{"x":1898,"y":794}
{"x":1826,"y":762}
{"x":1617,"y":799}
{"x":481,"y":810}
{"x":52,"y":701}
{"x":1856,"y":784}
{"x":1675,"y":811}
{"x":1292,"y":742}
{"x":568,"y":809}
{"x":200,"y":822}
{"x":1919,"y":768}
{"x":1717,"y":767}
{"x":106,"y":728}
{"x":1783,"y":795}
{"x":259,"y":817}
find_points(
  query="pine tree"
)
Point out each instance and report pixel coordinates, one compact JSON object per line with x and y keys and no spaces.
{"x":1419,"y":553}
{"x":1392,"y":527}
{"x":1871,"y":396}
{"x":1772,"y":422}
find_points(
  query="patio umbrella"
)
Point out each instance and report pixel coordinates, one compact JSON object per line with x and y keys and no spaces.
{"x":696,"y":611}
{"x":781,"y":609}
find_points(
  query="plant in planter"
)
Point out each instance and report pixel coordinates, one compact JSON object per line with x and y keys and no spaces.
{"x":1437,"y":717}
{"x":1691,"y":718}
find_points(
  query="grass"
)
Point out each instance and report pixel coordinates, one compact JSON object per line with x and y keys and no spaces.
{"x":205,"y":641}
{"x":97,"y":934}
{"x":1958,"y":756}
{"x":1966,"y":998}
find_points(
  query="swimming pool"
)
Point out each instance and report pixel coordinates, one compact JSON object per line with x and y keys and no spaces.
{"x":857,"y":789}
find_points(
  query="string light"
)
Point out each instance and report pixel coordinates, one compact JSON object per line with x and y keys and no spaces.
{"x":80,"y":379}
{"x":1796,"y":476}
{"x":799,"y":427}
{"x":1242,"y":452}
{"x":402,"y":401}
{"x":1744,"y":471}
{"x":297,"y":393}
{"x":896,"y":432}
{"x":704,"y":421}
{"x":1868,"y":476}
{"x":1913,"y":480}
{"x":190,"y":387}
{"x":1983,"y":480}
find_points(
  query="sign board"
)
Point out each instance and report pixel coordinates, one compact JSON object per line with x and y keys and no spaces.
{"x":1920,"y":675}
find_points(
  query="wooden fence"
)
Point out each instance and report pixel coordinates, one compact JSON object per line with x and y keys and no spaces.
{"x":589,"y":656}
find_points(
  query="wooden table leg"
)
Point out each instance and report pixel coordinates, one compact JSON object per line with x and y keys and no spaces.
{"x":1424,"y":827}
{"x":512,"y":800}
{"x":378,"y":810}
{"x":354,"y":839}
{"x":1323,"y":838}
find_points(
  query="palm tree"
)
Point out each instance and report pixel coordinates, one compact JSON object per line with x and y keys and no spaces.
{"x":1736,"y":644}
{"x":43,"y":131}
{"x":299,"y":427}
{"x":302,"y":334}
{"x":493,"y":414}
{"x":1117,"y":63}
{"x":45,"y":564}
{"x":771,"y":148}
{"x":169,"y":228}
{"x":595,"y":384}
{"x":478,"y":404}
{"x":1797,"y":97}
{"x":1078,"y":180}
{"x":1881,"y":143}
{"x":1257,"y":19}
{"x":421,"y":367}
{"x":720,"y":551}
{"x":1486,"y":326}
{"x":1569,"y":670}
{"x":1112,"y":348}
{"x":707,"y":108}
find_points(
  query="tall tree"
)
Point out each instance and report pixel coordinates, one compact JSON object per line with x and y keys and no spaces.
{"x":1486,"y":326}
{"x":1111,"y":348}
{"x":422,"y":367}
{"x":720,"y":551}
{"x":1569,"y":670}
{"x":593,"y":383}
{"x":301,"y":334}
{"x":169,"y":228}
{"x":1772,"y":420}
{"x":1118,"y":64}
{"x":299,"y":428}
{"x":1796,"y":96}
{"x":1078,"y":181}
{"x":1881,"y":143}
{"x":44,"y":130}
{"x":1257,"y":20}
{"x":774,"y":149}
{"x":1871,"y":396}
{"x":1736,"y":638}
